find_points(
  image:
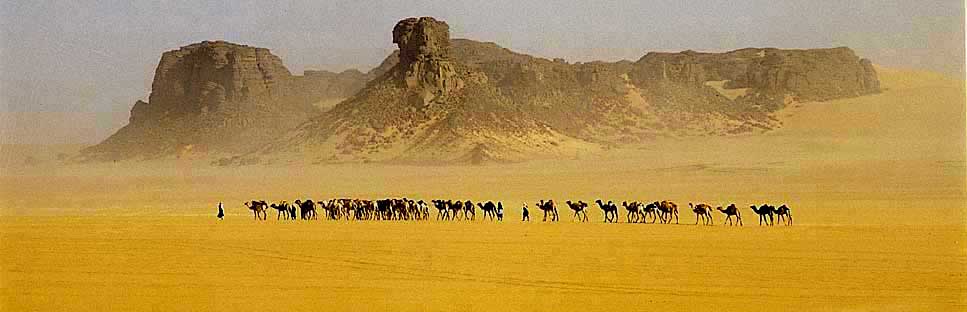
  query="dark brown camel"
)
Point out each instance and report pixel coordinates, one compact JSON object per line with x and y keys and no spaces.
{"x":307,"y":209}
{"x":469,"y":209}
{"x":423,"y":209}
{"x":441,"y":209}
{"x":610,"y":211}
{"x":332,"y":211}
{"x":580,"y":210}
{"x":704,"y":211}
{"x":668,"y":210}
{"x":634,"y":211}
{"x":548,"y":207}
{"x":258,"y":207}
{"x":763,"y":212}
{"x":784,"y":214}
{"x":730,"y":211}
{"x":455,"y":208}
{"x":650,"y":210}
{"x":489,"y":209}
{"x":282,"y":209}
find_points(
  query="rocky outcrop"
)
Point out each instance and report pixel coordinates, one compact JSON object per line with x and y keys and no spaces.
{"x":219,"y":97}
{"x":206,"y":76}
{"x":686,"y":67}
{"x":424,"y":57}
{"x":810,"y":75}
{"x":429,"y":106}
{"x":813,"y":75}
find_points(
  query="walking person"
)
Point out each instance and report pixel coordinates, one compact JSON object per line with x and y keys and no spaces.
{"x":221,"y":211}
{"x":526,"y":216}
{"x":500,"y":212}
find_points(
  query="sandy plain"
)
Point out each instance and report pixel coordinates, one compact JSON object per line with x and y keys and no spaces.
{"x":878,"y":185}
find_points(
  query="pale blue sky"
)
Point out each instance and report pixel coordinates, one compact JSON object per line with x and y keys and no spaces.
{"x":80,"y":65}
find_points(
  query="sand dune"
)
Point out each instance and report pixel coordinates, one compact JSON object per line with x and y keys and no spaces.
{"x":877,"y":185}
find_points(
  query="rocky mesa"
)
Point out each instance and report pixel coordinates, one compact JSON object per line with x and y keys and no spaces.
{"x":217,"y":97}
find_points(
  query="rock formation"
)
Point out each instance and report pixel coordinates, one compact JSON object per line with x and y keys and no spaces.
{"x":217,"y":96}
{"x":437,"y":99}
{"x":810,"y":75}
{"x":426,"y":107}
{"x":424,"y":56}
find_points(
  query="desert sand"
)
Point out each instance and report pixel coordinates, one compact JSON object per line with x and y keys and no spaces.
{"x":876,"y":183}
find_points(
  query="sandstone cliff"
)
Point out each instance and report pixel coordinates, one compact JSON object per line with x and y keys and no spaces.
{"x":219,"y":97}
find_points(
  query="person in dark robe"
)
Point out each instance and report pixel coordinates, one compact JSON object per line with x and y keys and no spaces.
{"x":221,"y":211}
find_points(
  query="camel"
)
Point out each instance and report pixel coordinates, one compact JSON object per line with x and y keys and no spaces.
{"x":455,"y":207}
{"x":580,"y":210}
{"x":423,"y":209}
{"x":610,"y":211}
{"x":307,"y":209}
{"x":469,"y":208}
{"x":784,"y":214}
{"x":488,"y":210}
{"x":332,"y":212}
{"x":258,"y":207}
{"x":763,"y":212}
{"x":282,"y":209}
{"x":442,"y":211}
{"x":634,"y":211}
{"x":548,"y":207}
{"x":668,"y":210}
{"x":730,"y":211}
{"x":704,"y":211}
{"x":650,"y":210}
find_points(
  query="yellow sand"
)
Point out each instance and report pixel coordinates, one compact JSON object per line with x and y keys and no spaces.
{"x":877,"y":186}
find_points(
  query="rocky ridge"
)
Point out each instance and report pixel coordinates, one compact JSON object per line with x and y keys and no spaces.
{"x":442,"y":100}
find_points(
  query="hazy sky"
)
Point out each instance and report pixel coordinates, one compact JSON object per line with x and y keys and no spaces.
{"x":70,"y":70}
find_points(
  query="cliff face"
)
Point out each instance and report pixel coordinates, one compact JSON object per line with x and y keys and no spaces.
{"x":810,"y":75}
{"x":215,"y":76}
{"x":424,"y":56}
{"x":813,"y":75}
{"x":220,"y":97}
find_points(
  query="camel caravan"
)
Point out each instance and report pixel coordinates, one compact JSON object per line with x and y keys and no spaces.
{"x":456,"y":210}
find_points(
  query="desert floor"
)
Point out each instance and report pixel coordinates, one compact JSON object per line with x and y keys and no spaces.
{"x":192,"y":264}
{"x":878,"y":187}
